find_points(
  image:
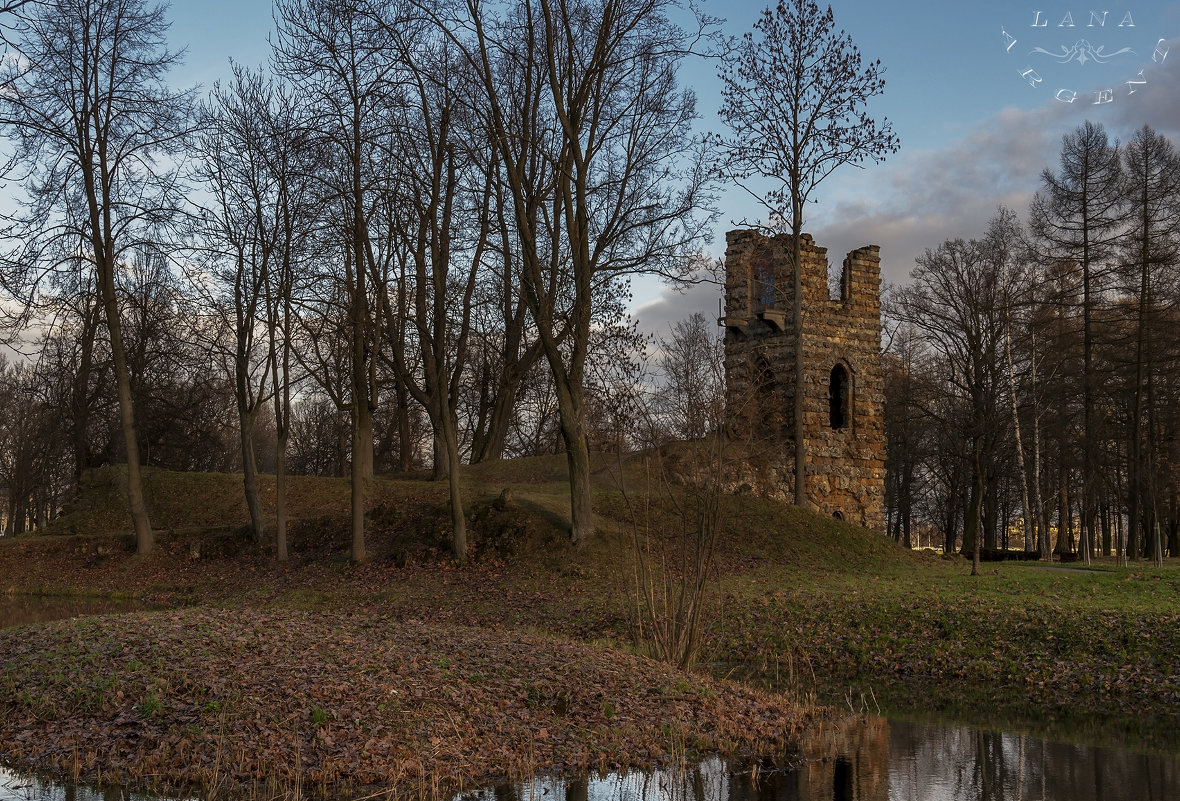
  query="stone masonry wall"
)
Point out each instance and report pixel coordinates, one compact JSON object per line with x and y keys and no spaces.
{"x":846,"y":465}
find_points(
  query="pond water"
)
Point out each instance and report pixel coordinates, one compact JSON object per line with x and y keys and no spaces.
{"x":861,"y":759}
{"x":17,"y":610}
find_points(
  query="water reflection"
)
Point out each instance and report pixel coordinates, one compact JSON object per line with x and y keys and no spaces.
{"x":14,"y":787}
{"x":17,"y":610}
{"x":876,"y":760}
{"x":929,"y":763}
{"x":866,"y":759}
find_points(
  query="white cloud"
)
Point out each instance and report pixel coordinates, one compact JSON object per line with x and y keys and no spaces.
{"x":669,"y":306}
{"x":1155,"y":103}
{"x":919,"y":198}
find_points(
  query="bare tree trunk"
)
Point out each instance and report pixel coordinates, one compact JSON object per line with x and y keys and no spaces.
{"x":577,"y":453}
{"x":1120,"y":543}
{"x":281,"y":502}
{"x":495,"y":433}
{"x":250,"y":474}
{"x":1087,"y":534}
{"x":80,"y":388}
{"x":144,"y":539}
{"x":990,"y":510}
{"x":250,"y":480}
{"x":1157,"y":545}
{"x":1174,"y":528}
{"x":1064,"y":518}
{"x":907,"y":513}
{"x":282,"y":411}
{"x":491,"y":439}
{"x":1038,"y":501}
{"x":1136,"y":471}
{"x":245,"y":307}
{"x":1153,"y":435}
{"x":278,"y":318}
{"x":405,"y":451}
{"x":362,"y":432}
{"x":458,"y":519}
{"x":1026,"y":510}
{"x":362,"y":416}
{"x":798,"y":417}
{"x":975,"y":516}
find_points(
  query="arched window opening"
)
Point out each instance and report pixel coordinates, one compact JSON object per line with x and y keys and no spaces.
{"x":839,"y":395}
{"x":838,"y":515}
{"x":762,"y":278}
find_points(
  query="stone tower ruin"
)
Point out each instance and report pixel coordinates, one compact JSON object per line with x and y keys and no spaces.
{"x":843,"y":386}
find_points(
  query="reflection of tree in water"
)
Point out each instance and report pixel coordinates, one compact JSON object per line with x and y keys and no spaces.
{"x":869,"y":759}
{"x":848,"y":761}
{"x":932,"y":763}
{"x":844,"y":760}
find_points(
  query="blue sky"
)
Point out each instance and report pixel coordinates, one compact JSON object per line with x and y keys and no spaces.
{"x":974,"y":132}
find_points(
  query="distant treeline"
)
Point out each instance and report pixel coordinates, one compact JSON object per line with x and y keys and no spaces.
{"x":1033,"y":375}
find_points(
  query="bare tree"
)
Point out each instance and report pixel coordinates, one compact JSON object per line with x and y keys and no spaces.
{"x":1004,"y":245}
{"x":906,"y":428}
{"x":88,"y":111}
{"x":34,"y":460}
{"x":954,"y":303}
{"x":249,"y":155}
{"x":1152,"y":174}
{"x":68,"y":313}
{"x":505,"y":348}
{"x":594,"y":135}
{"x":435,"y":141}
{"x":183,"y":403}
{"x":236,"y":227}
{"x":289,"y":153}
{"x":342,"y":57}
{"x":794,"y":100}
{"x":14,"y":5}
{"x":692,"y":398}
{"x":1079,"y":217}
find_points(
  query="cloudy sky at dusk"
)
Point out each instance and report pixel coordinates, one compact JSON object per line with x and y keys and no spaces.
{"x":974,"y":133}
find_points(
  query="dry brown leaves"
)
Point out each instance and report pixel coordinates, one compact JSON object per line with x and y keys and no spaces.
{"x":207,"y":698}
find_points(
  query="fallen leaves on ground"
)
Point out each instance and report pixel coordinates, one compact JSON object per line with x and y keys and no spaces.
{"x":210,"y":698}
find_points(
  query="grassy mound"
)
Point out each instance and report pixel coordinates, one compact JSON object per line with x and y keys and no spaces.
{"x":518,"y":509}
{"x":189,"y":502}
